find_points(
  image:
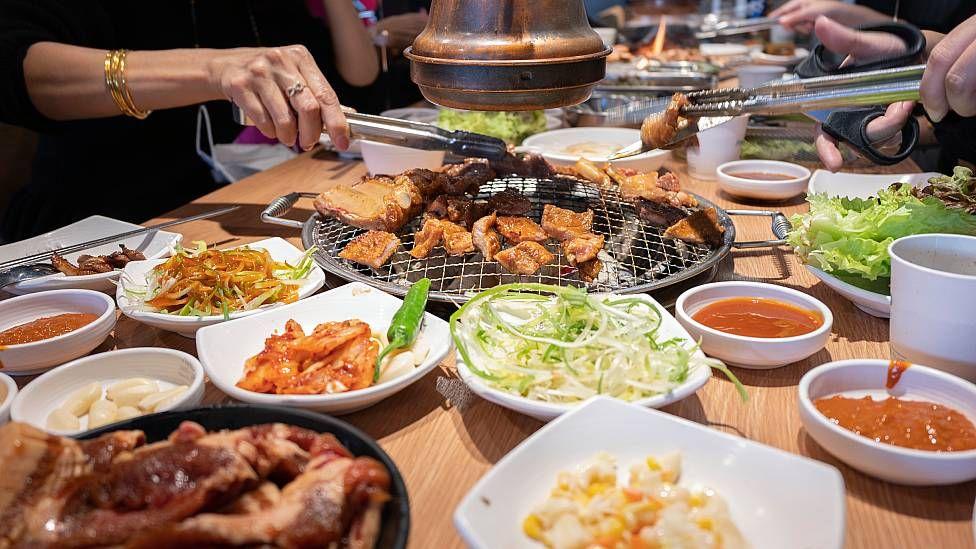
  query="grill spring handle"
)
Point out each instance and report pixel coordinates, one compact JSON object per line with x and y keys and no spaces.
{"x":779,"y":226}
{"x":280,"y":206}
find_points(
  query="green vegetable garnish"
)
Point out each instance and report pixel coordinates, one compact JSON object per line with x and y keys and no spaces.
{"x":511,"y":127}
{"x":405,"y":324}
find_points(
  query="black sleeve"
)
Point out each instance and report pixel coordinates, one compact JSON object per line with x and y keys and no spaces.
{"x":957,"y":139}
{"x":26,"y":22}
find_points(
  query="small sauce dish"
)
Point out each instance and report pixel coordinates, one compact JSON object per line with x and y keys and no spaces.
{"x":763,"y":179}
{"x":757,"y":353}
{"x":868,"y":377}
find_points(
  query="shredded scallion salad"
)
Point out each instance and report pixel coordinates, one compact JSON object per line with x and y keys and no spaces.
{"x":561,"y":345}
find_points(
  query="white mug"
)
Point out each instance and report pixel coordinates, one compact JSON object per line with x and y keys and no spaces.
{"x":933,"y":301}
{"x":716,"y":146}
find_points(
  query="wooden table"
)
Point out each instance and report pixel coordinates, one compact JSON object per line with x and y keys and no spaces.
{"x":443,"y":444}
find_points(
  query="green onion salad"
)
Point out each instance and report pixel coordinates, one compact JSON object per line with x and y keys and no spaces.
{"x":562,"y":345}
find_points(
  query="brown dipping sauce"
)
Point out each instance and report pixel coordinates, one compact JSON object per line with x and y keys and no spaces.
{"x":45,"y":328}
{"x":763,"y":176}
{"x":895,"y":369}
{"x":758,"y":317}
{"x":907,"y":423}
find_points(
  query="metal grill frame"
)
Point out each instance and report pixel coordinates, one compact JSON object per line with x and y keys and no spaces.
{"x":614,"y":217}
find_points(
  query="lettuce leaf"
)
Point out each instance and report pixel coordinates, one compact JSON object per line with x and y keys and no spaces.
{"x":849,"y":238}
{"x":511,"y":127}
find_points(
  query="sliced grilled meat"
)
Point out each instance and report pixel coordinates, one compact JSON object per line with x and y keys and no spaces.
{"x":524,"y":258}
{"x":563,"y":224}
{"x":658,"y":214}
{"x":520,"y":229}
{"x":468,"y":176}
{"x":372,"y":248}
{"x":485,"y":237}
{"x":511,"y":201}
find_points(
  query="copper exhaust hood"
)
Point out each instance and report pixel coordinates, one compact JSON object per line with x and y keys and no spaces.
{"x":498,"y":55}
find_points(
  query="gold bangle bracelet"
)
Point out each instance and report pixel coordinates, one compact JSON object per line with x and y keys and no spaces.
{"x":117,"y":87}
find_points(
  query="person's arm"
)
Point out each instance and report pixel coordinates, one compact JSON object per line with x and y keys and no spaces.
{"x":67,"y":82}
{"x":801,"y":14}
{"x":354,"y":50}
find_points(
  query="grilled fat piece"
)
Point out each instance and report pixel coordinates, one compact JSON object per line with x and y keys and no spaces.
{"x":374,"y":203}
{"x":372,"y":248}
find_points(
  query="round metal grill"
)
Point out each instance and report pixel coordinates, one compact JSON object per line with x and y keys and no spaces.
{"x":636,"y":257}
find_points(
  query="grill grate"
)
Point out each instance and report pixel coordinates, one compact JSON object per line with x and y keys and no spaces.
{"x":635,"y":257}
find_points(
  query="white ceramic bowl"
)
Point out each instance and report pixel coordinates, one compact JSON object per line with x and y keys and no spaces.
{"x":760,"y":57}
{"x":775,"y":498}
{"x":8,"y":392}
{"x":757,"y":353}
{"x":552,"y":145}
{"x":751,"y":76}
{"x":783,"y":189}
{"x":32,"y":358}
{"x":872,"y":303}
{"x":861,"y":185}
{"x":720,"y":49}
{"x":867,"y":377}
{"x":386,"y":159}
{"x":546,"y":411}
{"x":152,"y":245}
{"x":134,"y":276}
{"x":223,"y":348}
{"x":49,"y":391}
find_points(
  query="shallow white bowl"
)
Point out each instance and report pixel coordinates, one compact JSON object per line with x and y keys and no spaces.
{"x":134,"y":275}
{"x":775,"y":498}
{"x":872,"y":303}
{"x":152,"y":245}
{"x":48,"y":392}
{"x":223,"y":348}
{"x":861,"y":185}
{"x":757,"y":353}
{"x":8,"y":392}
{"x":862,"y":377}
{"x":762,"y":58}
{"x":546,"y":411}
{"x":729,"y":182}
{"x":552,"y":145}
{"x":32,"y":358}
{"x":386,"y":159}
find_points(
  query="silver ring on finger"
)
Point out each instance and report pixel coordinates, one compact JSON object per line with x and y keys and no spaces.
{"x":295,"y":88}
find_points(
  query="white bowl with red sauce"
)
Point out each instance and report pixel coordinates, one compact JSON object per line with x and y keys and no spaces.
{"x":763,"y":179}
{"x":771,"y":350}
{"x":36,"y":356}
{"x":868,"y":377}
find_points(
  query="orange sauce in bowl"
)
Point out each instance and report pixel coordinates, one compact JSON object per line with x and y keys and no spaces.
{"x":45,"y":328}
{"x":758,"y":317}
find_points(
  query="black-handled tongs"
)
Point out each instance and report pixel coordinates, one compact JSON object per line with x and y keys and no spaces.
{"x":416,"y":135}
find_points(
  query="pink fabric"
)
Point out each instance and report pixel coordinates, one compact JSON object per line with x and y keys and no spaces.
{"x":253,"y":136}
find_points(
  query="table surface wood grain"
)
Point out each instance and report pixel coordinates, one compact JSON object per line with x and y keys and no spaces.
{"x":443,"y":438}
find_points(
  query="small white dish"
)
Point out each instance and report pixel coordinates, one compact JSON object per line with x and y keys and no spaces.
{"x":867,"y":377}
{"x":8,"y":392}
{"x":153,"y":245}
{"x":861,"y":185}
{"x":48,"y":392}
{"x":730,"y":179}
{"x":35,"y":357}
{"x":224,"y":348}
{"x":386,"y":159}
{"x":751,"y":76}
{"x":135,"y":273}
{"x":762,"y":58}
{"x":755,"y":353}
{"x":552,"y":146}
{"x":775,"y":498}
{"x":719,"y":49}
{"x":872,"y":303}
{"x":545,"y":411}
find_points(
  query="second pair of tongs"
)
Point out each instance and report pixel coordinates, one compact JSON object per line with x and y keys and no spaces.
{"x":709,"y":108}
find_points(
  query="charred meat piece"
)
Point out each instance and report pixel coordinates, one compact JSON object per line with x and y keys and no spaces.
{"x":511,"y":201}
{"x":523,"y":165}
{"x":520,"y":229}
{"x":468,"y":176}
{"x":650,"y":187}
{"x":701,"y":227}
{"x":133,"y":255}
{"x":97,"y":263}
{"x":582,"y":248}
{"x":485,"y":237}
{"x":374,"y":203}
{"x":524,"y":258}
{"x":659,"y":129}
{"x":372,"y":248}
{"x":428,"y":182}
{"x":590,"y":270}
{"x":427,"y":237}
{"x":69,"y":268}
{"x":658,"y":214}
{"x":456,"y":239}
{"x":456,"y":209}
{"x":563,"y":224}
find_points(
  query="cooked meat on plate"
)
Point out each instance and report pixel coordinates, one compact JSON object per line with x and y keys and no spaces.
{"x":94,"y":264}
{"x":520,"y":229}
{"x":701,"y":227}
{"x":524,"y":258}
{"x":485,"y":237}
{"x":563,"y":224}
{"x":372,"y":248}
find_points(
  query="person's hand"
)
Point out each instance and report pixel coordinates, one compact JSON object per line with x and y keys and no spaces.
{"x":800,"y":15}
{"x":861,"y":47}
{"x":949,"y":80}
{"x":283,"y":92}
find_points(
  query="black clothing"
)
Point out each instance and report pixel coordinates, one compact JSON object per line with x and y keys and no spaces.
{"x":122,"y":167}
{"x":937,"y":15}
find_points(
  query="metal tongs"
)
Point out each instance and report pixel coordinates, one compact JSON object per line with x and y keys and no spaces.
{"x":710,"y":108}
{"x":416,"y":135}
{"x":713,"y":28}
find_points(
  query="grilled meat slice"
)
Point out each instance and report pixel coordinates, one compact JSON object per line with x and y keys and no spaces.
{"x":524,"y":258}
{"x":133,"y":255}
{"x":372,"y":248}
{"x":648,"y":186}
{"x":590,"y":270}
{"x":69,"y":268}
{"x":669,"y":181}
{"x":456,"y":209}
{"x":523,"y":165}
{"x":430,"y":183}
{"x":485,"y":237}
{"x":659,"y":129}
{"x":701,"y":227}
{"x":510,"y":201}
{"x":374,"y":203}
{"x":658,"y":214}
{"x":563,"y":224}
{"x":427,"y":237}
{"x":520,"y":229}
{"x":97,"y":263}
{"x":456,"y":239}
{"x":468,"y":176}
{"x":582,"y":248}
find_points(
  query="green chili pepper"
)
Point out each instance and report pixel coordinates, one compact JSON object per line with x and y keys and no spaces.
{"x":405,"y":324}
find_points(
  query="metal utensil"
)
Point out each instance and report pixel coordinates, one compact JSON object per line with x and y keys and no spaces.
{"x":46,"y":256}
{"x":21,"y":273}
{"x":733,"y":27}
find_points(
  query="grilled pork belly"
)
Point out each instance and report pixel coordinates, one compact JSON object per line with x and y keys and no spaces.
{"x":701,"y":227}
{"x":582,"y":248}
{"x":520,"y":229}
{"x":430,"y":183}
{"x":455,"y":239}
{"x":659,"y":129}
{"x":510,"y":201}
{"x":658,"y":214}
{"x":456,"y":209}
{"x":524,"y":258}
{"x":468,"y":176}
{"x":524,"y":165}
{"x":374,"y":203}
{"x":372,"y":248}
{"x":563,"y":224}
{"x":485,"y":237}
{"x":590,"y":270}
